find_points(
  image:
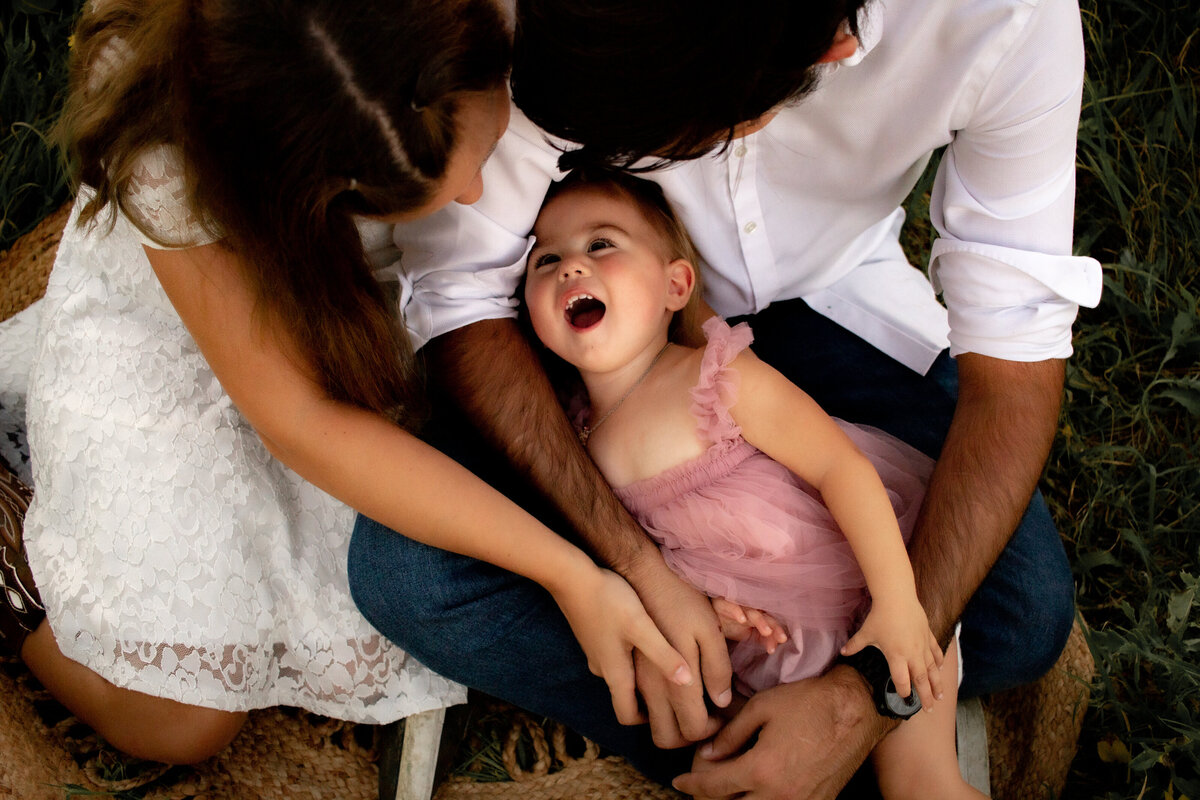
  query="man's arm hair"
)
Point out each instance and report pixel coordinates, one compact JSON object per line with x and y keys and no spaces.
{"x":994,"y":453}
{"x":491,"y":371}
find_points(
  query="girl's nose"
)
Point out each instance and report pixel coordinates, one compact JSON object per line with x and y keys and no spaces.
{"x":572,"y":268}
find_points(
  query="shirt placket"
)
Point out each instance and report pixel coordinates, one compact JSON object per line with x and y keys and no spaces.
{"x":742,"y":166}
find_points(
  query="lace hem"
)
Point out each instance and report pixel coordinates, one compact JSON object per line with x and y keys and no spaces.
{"x":363,"y":680}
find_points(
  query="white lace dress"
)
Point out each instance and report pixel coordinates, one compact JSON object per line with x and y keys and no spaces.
{"x":175,"y":556}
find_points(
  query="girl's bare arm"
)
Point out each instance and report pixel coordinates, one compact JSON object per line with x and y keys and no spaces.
{"x":786,"y":424}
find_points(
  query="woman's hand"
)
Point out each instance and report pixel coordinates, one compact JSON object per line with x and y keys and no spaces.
{"x":901,"y":631}
{"x":610,"y":623}
{"x":739,"y":623}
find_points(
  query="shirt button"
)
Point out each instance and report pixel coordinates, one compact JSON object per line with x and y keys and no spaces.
{"x":750,"y":227}
{"x":740,"y":151}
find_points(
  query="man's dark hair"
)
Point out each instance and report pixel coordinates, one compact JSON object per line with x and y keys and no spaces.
{"x":669,"y":79}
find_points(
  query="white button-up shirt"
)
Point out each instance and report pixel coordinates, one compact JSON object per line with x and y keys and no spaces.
{"x":808,"y":206}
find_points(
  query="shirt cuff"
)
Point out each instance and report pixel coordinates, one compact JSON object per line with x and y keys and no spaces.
{"x":440,"y":302}
{"x":1013,"y":304}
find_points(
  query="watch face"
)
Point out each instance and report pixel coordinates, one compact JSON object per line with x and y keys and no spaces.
{"x":872,"y":665}
{"x":903,"y":707}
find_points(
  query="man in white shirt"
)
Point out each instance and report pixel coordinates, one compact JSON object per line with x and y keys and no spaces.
{"x":796,"y":221}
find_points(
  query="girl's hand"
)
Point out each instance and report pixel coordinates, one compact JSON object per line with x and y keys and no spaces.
{"x":610,"y":623}
{"x":901,"y":631}
{"x":739,"y":623}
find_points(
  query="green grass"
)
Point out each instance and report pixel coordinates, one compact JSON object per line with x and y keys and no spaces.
{"x":1124,"y":476}
{"x":1125,"y":473}
{"x":34,"y":35}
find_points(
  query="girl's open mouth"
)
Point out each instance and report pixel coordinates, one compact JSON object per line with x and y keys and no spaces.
{"x":583,"y":311}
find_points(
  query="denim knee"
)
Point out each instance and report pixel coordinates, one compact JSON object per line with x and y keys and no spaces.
{"x":447,"y":610}
{"x":1016,"y":625}
{"x":493,"y":631}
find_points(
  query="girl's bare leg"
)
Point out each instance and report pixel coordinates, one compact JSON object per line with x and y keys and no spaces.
{"x":139,"y":724}
{"x":919,"y":759}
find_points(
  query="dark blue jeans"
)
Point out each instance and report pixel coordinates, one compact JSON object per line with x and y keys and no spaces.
{"x":504,"y":635}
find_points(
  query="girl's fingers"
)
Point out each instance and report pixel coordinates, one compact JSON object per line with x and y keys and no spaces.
{"x":935,"y":673}
{"x":857,"y":642}
{"x":759,"y":622}
{"x":728,"y":610}
{"x":935,"y":678}
{"x":921,"y":685}
{"x":900,"y":677}
{"x":935,"y":682}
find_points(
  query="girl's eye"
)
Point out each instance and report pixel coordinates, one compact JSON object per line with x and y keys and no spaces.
{"x":599,"y":244}
{"x":544,"y":259}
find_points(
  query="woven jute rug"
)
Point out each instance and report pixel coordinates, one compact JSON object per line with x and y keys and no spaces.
{"x":1033,"y":730}
{"x":285,"y":753}
{"x":25,"y":268}
{"x":281,"y":753}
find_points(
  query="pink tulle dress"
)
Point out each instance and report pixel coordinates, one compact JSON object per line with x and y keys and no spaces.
{"x":737,"y":524}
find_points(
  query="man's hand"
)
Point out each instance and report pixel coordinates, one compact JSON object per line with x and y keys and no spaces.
{"x":677,"y":714}
{"x":812,"y":736}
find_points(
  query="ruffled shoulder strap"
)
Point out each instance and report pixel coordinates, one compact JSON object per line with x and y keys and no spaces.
{"x":717,"y":388}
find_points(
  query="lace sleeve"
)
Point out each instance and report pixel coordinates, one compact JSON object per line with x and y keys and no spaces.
{"x":157,"y":203}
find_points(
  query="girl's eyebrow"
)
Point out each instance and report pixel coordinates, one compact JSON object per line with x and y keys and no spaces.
{"x":589,"y":229}
{"x":601,"y":225}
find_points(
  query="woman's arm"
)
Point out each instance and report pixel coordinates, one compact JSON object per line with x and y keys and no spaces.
{"x":786,"y":424}
{"x":388,"y":474}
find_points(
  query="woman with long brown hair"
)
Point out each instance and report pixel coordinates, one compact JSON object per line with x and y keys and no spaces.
{"x":221,"y":378}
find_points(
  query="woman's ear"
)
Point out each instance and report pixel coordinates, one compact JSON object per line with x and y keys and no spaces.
{"x":681,"y":282}
{"x":845,"y":44}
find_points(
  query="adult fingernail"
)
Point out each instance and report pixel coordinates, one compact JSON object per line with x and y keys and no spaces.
{"x":706,"y":750}
{"x":683,"y":675}
{"x":724,"y":698}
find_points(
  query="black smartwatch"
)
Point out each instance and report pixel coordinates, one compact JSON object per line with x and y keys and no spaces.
{"x":871,"y":664}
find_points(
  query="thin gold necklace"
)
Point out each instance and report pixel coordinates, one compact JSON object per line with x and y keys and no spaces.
{"x":586,"y":431}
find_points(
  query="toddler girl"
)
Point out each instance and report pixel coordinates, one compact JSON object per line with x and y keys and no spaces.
{"x":754,"y":493}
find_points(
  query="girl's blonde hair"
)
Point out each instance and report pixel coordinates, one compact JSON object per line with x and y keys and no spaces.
{"x":291,"y":117}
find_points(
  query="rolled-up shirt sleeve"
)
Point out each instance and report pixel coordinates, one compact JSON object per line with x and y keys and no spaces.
{"x":1003,"y":200}
{"x":458,"y":270}
{"x":464,"y":263}
{"x":1013,"y":304}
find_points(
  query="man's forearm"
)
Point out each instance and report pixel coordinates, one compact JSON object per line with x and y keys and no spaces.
{"x":491,"y":371}
{"x":1005,"y":420}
